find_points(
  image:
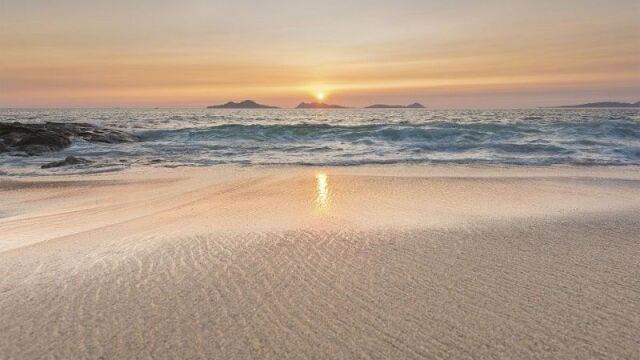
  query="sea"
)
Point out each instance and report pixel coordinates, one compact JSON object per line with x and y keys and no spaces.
{"x":341,"y":137}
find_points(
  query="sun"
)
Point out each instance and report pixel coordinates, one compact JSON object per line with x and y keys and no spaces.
{"x":321,"y":96}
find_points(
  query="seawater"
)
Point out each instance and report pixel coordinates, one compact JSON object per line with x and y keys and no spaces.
{"x":204,"y":137}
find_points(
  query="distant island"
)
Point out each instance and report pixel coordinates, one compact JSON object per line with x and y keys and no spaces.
{"x":247,"y":104}
{"x":384,"y":106}
{"x":605,"y":104}
{"x":315,"y":105}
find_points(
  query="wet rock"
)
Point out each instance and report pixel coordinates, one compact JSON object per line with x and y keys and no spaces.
{"x":41,"y":142}
{"x":35,"y":139}
{"x":102,"y":135}
{"x":70,"y":160}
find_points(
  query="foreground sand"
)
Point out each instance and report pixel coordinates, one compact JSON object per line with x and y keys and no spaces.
{"x":394,"y":262}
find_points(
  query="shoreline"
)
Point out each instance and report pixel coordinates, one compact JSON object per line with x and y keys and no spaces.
{"x":413,"y":168}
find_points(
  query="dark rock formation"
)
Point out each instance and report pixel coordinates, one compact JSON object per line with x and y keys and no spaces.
{"x":41,"y":142}
{"x":70,"y":160}
{"x":315,"y":105}
{"x":35,"y":139}
{"x":605,"y":104}
{"x":384,"y":106}
{"x":247,"y":104}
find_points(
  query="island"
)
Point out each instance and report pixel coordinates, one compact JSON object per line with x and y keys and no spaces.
{"x":247,"y":104}
{"x":384,"y":106}
{"x":315,"y":105}
{"x":605,"y":104}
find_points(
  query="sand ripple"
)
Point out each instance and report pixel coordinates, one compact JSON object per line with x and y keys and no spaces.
{"x":561,"y":286}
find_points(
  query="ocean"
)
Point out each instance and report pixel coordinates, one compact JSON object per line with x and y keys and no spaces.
{"x":205,"y":137}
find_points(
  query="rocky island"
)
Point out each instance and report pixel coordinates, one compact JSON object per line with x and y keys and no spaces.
{"x":315,"y":105}
{"x":247,"y":104}
{"x":605,"y":104}
{"x":384,"y":106}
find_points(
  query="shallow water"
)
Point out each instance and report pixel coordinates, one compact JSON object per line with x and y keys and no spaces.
{"x":202,"y":137}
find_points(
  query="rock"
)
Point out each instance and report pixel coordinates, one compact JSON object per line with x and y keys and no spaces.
{"x":315,"y":105}
{"x":102,"y":135}
{"x":44,"y":141}
{"x":35,"y":139}
{"x":385,"y":106}
{"x":605,"y":104}
{"x":247,"y":104}
{"x":70,"y":160}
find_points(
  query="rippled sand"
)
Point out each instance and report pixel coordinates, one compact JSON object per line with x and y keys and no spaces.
{"x":392,"y":262}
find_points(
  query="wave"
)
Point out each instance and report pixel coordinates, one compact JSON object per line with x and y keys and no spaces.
{"x":437,"y":130}
{"x":193,"y":138}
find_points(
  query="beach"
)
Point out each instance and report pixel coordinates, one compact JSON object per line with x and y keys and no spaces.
{"x":322,"y":262}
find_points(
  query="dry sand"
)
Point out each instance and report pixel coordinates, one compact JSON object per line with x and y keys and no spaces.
{"x":391,"y":262}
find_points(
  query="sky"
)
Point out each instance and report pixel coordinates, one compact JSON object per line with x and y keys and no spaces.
{"x":192,"y":53}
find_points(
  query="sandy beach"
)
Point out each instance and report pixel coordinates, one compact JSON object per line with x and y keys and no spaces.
{"x":300,"y":262}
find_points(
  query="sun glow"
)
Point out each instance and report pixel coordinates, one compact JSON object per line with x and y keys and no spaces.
{"x":321,"y":96}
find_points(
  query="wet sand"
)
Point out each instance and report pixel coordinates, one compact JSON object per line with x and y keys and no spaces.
{"x":390,"y":262}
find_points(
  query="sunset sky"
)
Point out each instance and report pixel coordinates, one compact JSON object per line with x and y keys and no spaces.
{"x":454,"y":54}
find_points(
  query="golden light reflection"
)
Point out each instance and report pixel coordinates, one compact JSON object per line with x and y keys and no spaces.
{"x":323,"y":194}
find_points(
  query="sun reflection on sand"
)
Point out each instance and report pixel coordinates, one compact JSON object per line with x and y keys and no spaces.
{"x":323,"y":194}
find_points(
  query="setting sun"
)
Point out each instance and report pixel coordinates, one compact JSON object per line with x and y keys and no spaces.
{"x":321,"y":96}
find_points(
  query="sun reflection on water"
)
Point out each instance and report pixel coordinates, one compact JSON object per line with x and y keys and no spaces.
{"x":323,"y":194}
